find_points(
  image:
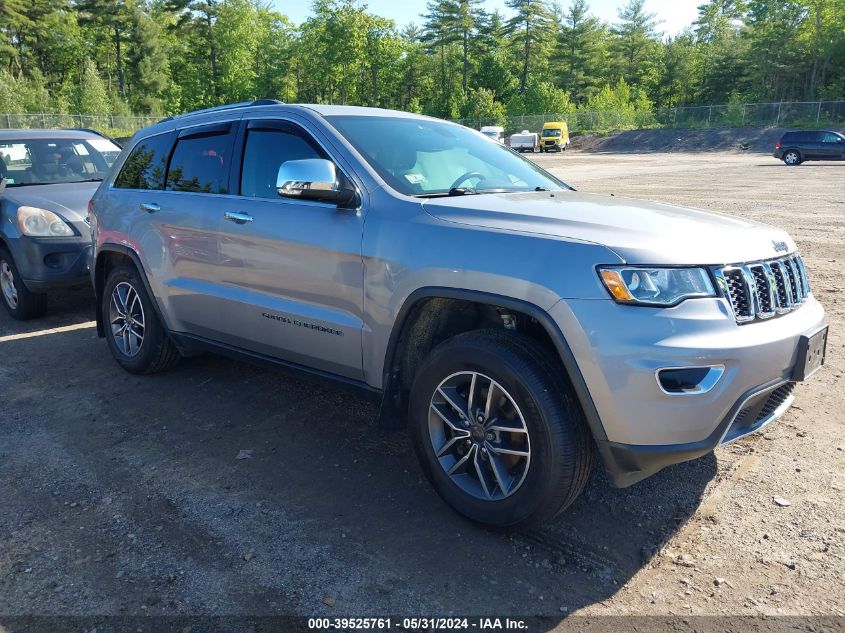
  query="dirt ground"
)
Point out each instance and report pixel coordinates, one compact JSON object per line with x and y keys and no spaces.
{"x":124,"y":494}
{"x":750,"y":138}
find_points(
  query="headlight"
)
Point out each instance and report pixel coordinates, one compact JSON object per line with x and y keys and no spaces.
{"x":640,"y":285}
{"x":42,"y":223}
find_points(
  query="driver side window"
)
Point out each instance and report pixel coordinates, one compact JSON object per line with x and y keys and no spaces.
{"x":264,"y":153}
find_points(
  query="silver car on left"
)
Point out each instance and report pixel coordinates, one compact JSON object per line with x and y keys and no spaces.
{"x":47,"y":178}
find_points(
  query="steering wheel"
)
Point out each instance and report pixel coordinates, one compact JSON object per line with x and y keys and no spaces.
{"x":470,"y":174}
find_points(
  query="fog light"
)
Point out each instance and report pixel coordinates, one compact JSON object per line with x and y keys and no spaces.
{"x":689,"y":380}
{"x":54,"y":260}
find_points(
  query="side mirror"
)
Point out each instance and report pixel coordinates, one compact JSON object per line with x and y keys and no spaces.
{"x":312,"y":179}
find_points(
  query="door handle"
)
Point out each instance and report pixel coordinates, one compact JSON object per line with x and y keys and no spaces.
{"x":237,"y":218}
{"x":150,"y":207}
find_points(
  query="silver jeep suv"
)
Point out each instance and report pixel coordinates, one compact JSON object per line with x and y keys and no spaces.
{"x":516,"y":326}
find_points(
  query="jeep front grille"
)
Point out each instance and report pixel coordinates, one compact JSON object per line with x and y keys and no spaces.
{"x":762,"y":290}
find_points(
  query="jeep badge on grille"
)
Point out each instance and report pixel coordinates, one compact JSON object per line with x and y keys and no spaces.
{"x":780,"y":246}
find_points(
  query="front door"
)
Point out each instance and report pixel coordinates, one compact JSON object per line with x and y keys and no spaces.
{"x":833,"y":146}
{"x":293,"y":269}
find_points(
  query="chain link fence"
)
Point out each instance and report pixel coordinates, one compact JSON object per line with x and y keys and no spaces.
{"x":782,"y":114}
{"x":777,"y":114}
{"x":112,"y":124}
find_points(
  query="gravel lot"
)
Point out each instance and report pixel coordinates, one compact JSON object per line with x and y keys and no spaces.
{"x":123,"y":495}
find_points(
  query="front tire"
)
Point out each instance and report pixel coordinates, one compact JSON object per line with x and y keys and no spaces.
{"x":498,"y":430}
{"x":792,"y":158}
{"x":136,"y":338}
{"x":19,"y":301}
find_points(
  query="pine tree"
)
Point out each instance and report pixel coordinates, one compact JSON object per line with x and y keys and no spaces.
{"x":532,"y":28}
{"x":581,"y":51}
{"x":91,"y":96}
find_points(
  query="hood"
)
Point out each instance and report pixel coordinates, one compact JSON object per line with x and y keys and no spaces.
{"x":68,"y":199}
{"x":639,"y":232}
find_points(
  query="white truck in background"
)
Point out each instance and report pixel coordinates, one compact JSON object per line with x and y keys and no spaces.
{"x":525,"y":141}
{"x":495,"y":132}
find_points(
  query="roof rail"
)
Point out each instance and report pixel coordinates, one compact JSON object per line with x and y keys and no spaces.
{"x":230,"y":106}
{"x":258,"y":102}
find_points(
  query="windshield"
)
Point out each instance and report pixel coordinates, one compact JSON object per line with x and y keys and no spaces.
{"x":551,"y":133}
{"x":420,"y":157}
{"x":50,"y":161}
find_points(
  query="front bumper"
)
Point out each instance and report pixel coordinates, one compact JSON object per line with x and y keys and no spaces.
{"x":46,"y":263}
{"x":645,"y":428}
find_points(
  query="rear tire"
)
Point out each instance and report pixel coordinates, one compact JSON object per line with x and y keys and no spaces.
{"x":527,"y":452}
{"x":792,"y":158}
{"x":19,"y":301}
{"x":136,"y":338}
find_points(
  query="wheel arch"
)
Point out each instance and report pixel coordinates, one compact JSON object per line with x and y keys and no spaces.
{"x":418,"y":308}
{"x":110,"y":256}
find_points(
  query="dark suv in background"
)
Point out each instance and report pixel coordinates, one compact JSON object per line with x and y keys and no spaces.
{"x":794,"y":148}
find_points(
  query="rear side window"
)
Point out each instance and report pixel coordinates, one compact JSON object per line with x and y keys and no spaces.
{"x":147,"y":164}
{"x":265,"y":151}
{"x":200,"y":163}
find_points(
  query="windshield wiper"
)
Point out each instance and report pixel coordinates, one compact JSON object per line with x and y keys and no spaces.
{"x":469,"y":191}
{"x":461,"y":191}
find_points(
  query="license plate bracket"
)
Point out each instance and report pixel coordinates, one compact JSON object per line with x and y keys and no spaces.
{"x":811,"y":353}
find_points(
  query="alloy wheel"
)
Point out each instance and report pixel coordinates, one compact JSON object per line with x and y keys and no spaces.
{"x":479,"y":435}
{"x":7,"y":285}
{"x":126,"y":315}
{"x":791,"y":158}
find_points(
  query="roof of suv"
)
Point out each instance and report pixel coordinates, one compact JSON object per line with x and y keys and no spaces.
{"x":12,"y":135}
{"x":261,"y":104}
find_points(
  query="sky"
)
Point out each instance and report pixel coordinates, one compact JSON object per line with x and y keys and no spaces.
{"x":675,"y":14}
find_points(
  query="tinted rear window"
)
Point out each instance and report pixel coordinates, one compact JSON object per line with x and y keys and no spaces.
{"x":802,"y":137}
{"x":147,"y":164}
{"x":200,"y":164}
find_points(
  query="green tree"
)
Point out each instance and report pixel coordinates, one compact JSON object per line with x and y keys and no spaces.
{"x":637,"y":45}
{"x":581,"y":54}
{"x":114,"y":16}
{"x":91,"y":96}
{"x":148,"y":65}
{"x":275,"y":57}
{"x":482,"y":105}
{"x":532,"y":28}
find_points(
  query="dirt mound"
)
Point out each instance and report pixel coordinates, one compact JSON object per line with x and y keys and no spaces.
{"x":751,"y":139}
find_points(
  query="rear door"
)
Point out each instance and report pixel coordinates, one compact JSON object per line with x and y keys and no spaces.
{"x":815,"y":148}
{"x":292,"y":268}
{"x":170,"y":203}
